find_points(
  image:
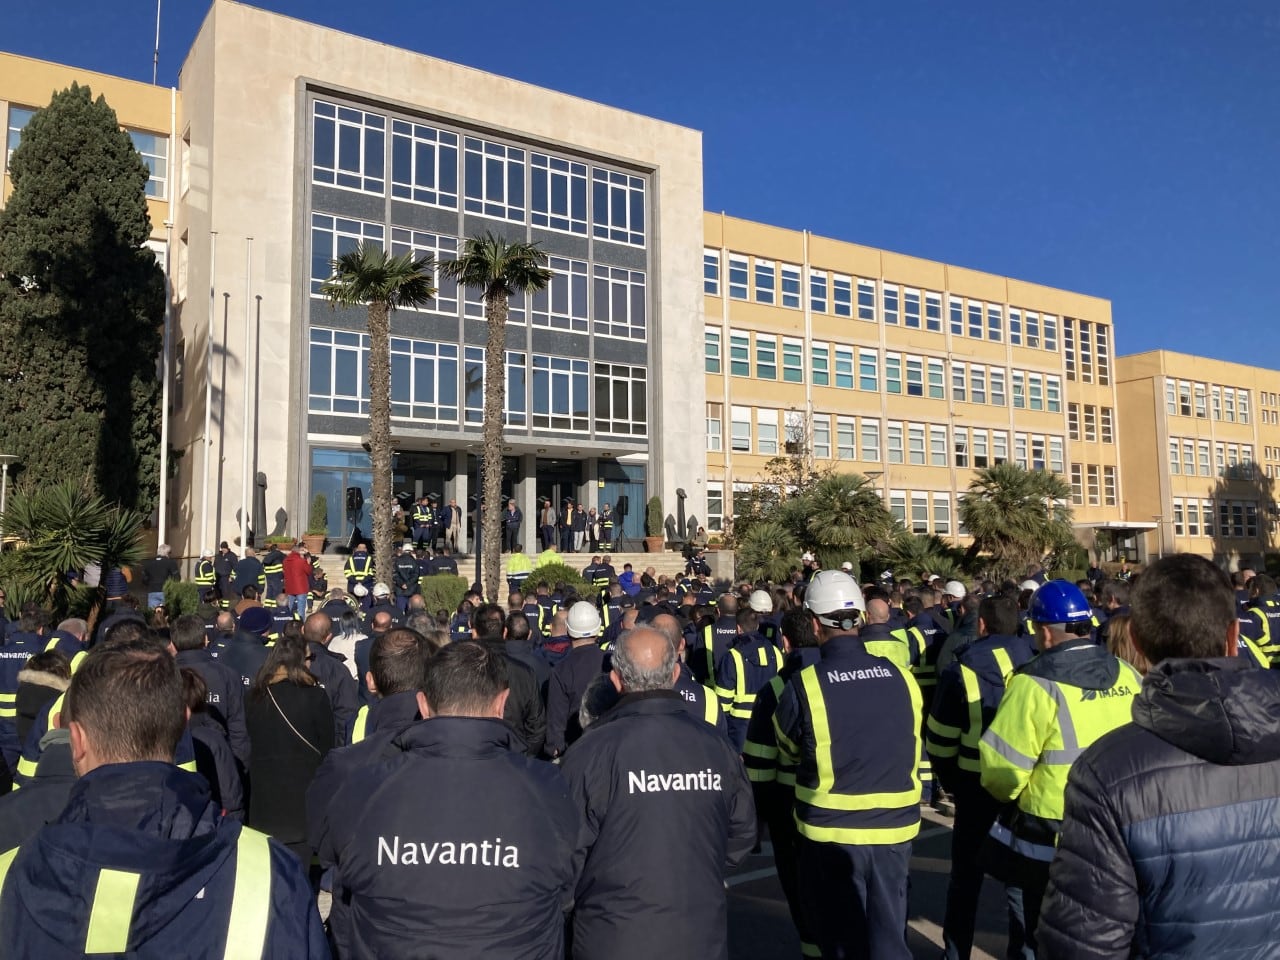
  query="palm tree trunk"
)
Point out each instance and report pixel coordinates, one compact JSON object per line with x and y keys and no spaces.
{"x":495,"y":394}
{"x":380,"y":434}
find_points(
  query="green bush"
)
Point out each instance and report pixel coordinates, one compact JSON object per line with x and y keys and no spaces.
{"x":653,"y":518}
{"x":443,"y":591}
{"x":180,"y":597}
{"x":554,"y":573}
{"x":318,"y":523}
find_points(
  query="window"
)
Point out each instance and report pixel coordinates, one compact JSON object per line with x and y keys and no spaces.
{"x":892,"y":373}
{"x":711,"y":348}
{"x":1179,"y":528}
{"x":818,"y":291}
{"x":1101,"y":338}
{"x":1220,"y":459}
{"x":766,"y":357}
{"x":1050,"y":332}
{"x":331,"y":237}
{"x":959,"y":382}
{"x":560,"y":393}
{"x":891,"y":304}
{"x":919,"y":513}
{"x":821,"y":363}
{"x":845,"y":446}
{"x":711,"y":272}
{"x":1035,"y":391}
{"x":715,"y":427}
{"x":942,"y":514}
{"x":1015,"y":326}
{"x":1053,"y":394}
{"x":915,"y":377}
{"x":995,"y":323}
{"x":981,"y":452}
{"x":842,"y":295}
{"x":867,"y":300}
{"x":1184,"y":398}
{"x":1020,"y":450}
{"x":844,"y":367}
{"x":933,"y":311}
{"x":617,"y":206}
{"x":1019,"y":390}
{"x":898,"y":506}
{"x":737,"y":277}
{"x":1175,"y":460}
{"x":619,"y":307}
{"x":440,"y":248}
{"x":868,"y":372}
{"x":955,"y":309}
{"x":1086,"y":352}
{"x":1108,"y":431}
{"x":1055,"y":454}
{"x":621,"y":399}
{"x":893,"y":442}
{"x":937,"y":386}
{"x":1069,"y":346}
{"x":1188,"y":458}
{"x":1242,"y":404}
{"x":766,"y":281}
{"x":19,"y":117}
{"x":1206,"y":517}
{"x":870,"y":430}
{"x":1033,"y":329}
{"x":1215,"y":394}
{"x":1202,"y":455}
{"x":715,"y":505}
{"x":978,"y":384}
{"x":915,"y":444}
{"x":792,"y":360}
{"x":1073,"y":421}
{"x":937,"y":446}
{"x":822,"y":436}
{"x":975,"y":320}
{"x":997,"y":386}
{"x":767,"y":432}
{"x":1077,"y":485}
{"x":741,"y":429}
{"x":1202,"y":406}
{"x":424,"y":165}
{"x":739,"y":354}
{"x":184,"y":161}
{"x":1193,"y":515}
{"x":349,"y":148}
{"x":960,"y":444}
{"x":155,"y":154}
{"x":1091,"y":474}
{"x":562,"y":304}
{"x":1037,"y":453}
{"x":791,"y":286}
{"x":493,"y":181}
{"x":911,"y":308}
{"x":1171,"y":397}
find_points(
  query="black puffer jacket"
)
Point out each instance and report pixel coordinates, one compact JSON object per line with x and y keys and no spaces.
{"x":1170,"y":845}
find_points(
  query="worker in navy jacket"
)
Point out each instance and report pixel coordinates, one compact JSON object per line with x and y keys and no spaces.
{"x":140,"y":862}
{"x":484,"y":868}
{"x":1169,"y":845}
{"x":648,"y":769}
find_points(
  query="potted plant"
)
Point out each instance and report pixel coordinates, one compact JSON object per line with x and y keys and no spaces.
{"x":317,"y":524}
{"x":653,"y":539}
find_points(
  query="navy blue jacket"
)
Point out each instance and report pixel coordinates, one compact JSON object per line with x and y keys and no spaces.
{"x":225,"y":701}
{"x":217,"y":764}
{"x":648,"y":769}
{"x":694,"y":696}
{"x":151,"y":819}
{"x":245,"y":653}
{"x":23,"y":812}
{"x":13,"y":658}
{"x":1170,"y":845}
{"x":484,"y":868}
{"x":331,"y":670}
{"x":569,"y":681}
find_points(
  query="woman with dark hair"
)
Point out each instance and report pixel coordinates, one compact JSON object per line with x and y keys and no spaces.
{"x":290,"y":730}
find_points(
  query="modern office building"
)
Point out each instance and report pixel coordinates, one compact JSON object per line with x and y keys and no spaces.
{"x":911,"y":372}
{"x":1204,"y":436}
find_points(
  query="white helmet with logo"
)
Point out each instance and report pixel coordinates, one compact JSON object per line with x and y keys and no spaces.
{"x":835,"y":599}
{"x":955,"y":589}
{"x":583,"y":620}
{"x":760,"y":601}
{"x":1031,"y":585}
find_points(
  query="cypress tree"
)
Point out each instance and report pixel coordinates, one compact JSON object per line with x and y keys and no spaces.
{"x":81,"y":306}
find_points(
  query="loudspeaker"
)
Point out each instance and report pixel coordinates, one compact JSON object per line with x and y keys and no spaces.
{"x":624,"y":504}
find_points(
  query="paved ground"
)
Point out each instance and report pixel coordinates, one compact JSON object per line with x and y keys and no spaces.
{"x":760,"y":927}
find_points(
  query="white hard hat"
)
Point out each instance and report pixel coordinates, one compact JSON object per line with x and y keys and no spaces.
{"x":760,"y":601}
{"x":847,"y":567}
{"x":381,"y":590}
{"x":361,"y":590}
{"x":1029,"y":585}
{"x":206,"y":552}
{"x":806,"y":557}
{"x":583,"y":620}
{"x":407,"y":548}
{"x":831,"y":592}
{"x":955,"y":589}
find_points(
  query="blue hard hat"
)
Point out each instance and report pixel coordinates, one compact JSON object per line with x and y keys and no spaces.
{"x":1059,"y":601}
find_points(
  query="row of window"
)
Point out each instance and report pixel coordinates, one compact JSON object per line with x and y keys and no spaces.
{"x":581,"y":297}
{"x":930,"y":511}
{"x":1270,"y":417}
{"x":1099,"y":423}
{"x":153,"y":147}
{"x":442,"y":168}
{"x":433,"y":382}
{"x":1195,"y":518}
{"x":1093,"y":483}
{"x":1086,"y":349}
{"x":1184,"y":398}
{"x":766,"y":357}
{"x":875,"y":301}
{"x":1191,"y":457}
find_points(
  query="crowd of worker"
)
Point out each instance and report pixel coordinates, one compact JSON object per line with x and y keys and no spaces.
{"x":573,"y":772}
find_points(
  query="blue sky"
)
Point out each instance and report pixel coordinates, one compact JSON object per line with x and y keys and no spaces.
{"x":1127,"y":150}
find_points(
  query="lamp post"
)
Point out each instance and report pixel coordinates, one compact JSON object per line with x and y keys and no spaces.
{"x":5,"y":460}
{"x":1159,"y":519}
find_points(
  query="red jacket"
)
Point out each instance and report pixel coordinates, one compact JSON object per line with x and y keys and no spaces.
{"x":297,"y":573}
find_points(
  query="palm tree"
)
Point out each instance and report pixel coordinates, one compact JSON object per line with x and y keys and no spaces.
{"x":843,"y":518}
{"x":367,"y":277}
{"x":499,"y":268}
{"x":1015,"y":515}
{"x":915,"y":553}
{"x":767,"y":551}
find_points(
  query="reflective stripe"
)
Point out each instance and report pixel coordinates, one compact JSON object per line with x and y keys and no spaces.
{"x":711,"y":711}
{"x":9,"y":697}
{"x":362,"y":721}
{"x":26,"y":768}
{"x":934,"y":725}
{"x":856,"y":801}
{"x":1035,"y":851}
{"x":111,"y":914}
{"x":1251,"y":651}
{"x":1003,"y":661}
{"x":6,"y":861}
{"x":1014,"y":756}
{"x":189,"y":766}
{"x":762,"y":750}
{"x":75,"y":665}
{"x":251,"y":899}
{"x":787,"y":777}
{"x":810,"y":949}
{"x":857,"y":836}
{"x":52,"y":644}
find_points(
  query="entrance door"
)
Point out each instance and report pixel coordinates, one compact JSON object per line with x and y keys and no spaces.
{"x":622,"y":487}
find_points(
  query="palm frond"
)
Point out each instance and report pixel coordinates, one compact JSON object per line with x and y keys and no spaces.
{"x":368,"y":275}
{"x":492,"y":263}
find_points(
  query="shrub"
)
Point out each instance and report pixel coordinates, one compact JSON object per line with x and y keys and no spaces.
{"x":443,"y":590}
{"x":553,"y":573}
{"x":180,"y":597}
{"x":653,"y":517}
{"x":318,"y":523}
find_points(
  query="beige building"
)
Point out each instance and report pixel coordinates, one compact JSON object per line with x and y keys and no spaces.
{"x":911,"y":372}
{"x":1205,"y":436}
